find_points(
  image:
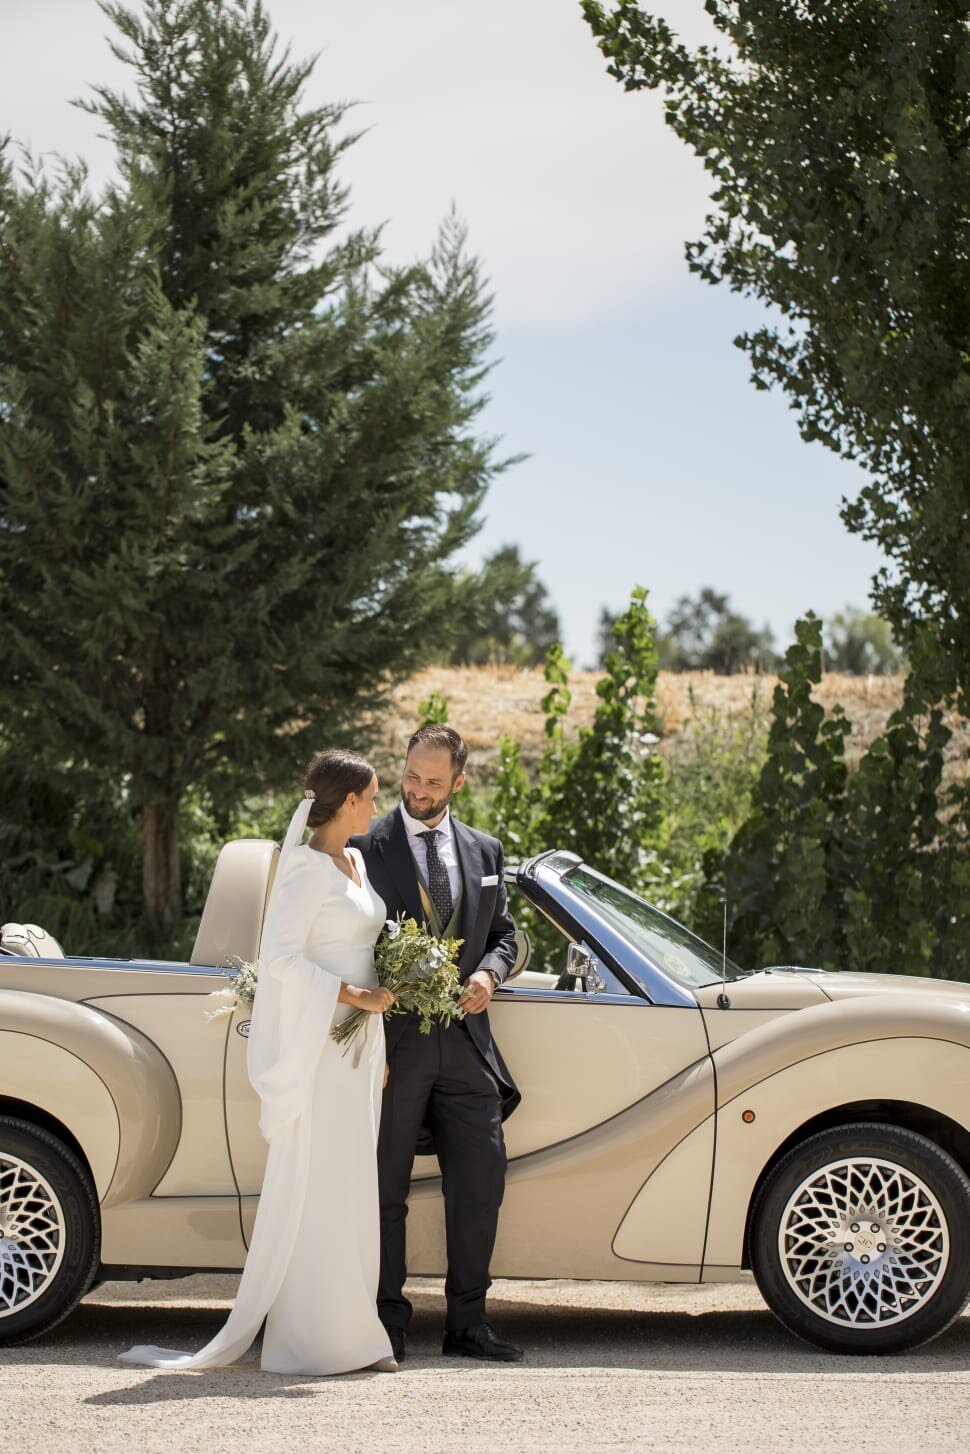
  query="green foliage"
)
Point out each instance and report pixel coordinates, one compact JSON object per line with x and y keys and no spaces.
{"x":555,"y":704}
{"x":507,"y":617}
{"x":237,"y":457}
{"x":903,"y":857}
{"x":866,"y":870}
{"x":835,"y":136}
{"x":433,"y":711}
{"x":779,"y":870}
{"x":601,"y":794}
{"x":710,"y":774}
{"x":861,"y":643}
{"x":68,"y":862}
{"x":597,"y":791}
{"x":512,"y":807}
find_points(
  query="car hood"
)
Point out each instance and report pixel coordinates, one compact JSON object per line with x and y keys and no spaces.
{"x":788,"y":987}
{"x":772,"y":993}
{"x":842,"y":986}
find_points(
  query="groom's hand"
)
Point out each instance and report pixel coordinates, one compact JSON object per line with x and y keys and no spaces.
{"x":478,"y":990}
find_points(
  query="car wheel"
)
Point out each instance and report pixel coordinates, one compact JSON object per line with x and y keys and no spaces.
{"x":50,"y":1234}
{"x":858,"y":1239}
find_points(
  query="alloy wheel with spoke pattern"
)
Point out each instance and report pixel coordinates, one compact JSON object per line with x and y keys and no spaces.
{"x":857,"y":1239}
{"x":32,"y":1234}
{"x":863,"y":1241}
{"x":49,"y":1230}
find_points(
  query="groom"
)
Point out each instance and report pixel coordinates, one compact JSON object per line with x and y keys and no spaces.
{"x":427,"y":865}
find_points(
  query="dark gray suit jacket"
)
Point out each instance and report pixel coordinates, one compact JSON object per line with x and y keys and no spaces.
{"x":485,"y":924}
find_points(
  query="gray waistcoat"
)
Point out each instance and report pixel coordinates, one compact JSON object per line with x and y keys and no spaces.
{"x":450,"y":930}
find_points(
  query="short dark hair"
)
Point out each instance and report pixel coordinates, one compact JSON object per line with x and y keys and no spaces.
{"x":436,"y":734}
{"x":333,"y":774}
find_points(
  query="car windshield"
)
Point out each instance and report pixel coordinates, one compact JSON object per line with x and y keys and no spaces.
{"x":665,"y":943}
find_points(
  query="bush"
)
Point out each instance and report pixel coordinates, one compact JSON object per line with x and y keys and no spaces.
{"x":69,"y":858}
{"x":710,"y":777}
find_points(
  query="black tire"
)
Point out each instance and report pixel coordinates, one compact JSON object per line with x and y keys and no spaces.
{"x":809,"y":1265}
{"x":50,"y":1231}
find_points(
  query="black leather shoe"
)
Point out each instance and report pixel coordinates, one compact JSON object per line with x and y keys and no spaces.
{"x":479,"y":1342}
{"x":396,"y":1336}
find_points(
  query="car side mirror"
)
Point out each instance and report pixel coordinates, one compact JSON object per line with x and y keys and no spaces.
{"x":581,"y":966}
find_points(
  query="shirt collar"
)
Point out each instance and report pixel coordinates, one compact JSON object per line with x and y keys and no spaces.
{"x":414,"y":826}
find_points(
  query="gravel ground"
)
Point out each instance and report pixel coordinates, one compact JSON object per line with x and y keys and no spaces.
{"x":609,"y":1366}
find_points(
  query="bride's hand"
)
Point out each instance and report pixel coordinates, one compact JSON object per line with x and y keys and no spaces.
{"x":376,"y":1001}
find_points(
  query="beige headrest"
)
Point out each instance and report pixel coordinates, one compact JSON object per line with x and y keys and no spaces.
{"x":29,"y":940}
{"x":232,"y":919}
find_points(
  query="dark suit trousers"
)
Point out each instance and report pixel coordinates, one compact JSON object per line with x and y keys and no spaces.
{"x":443,"y":1078}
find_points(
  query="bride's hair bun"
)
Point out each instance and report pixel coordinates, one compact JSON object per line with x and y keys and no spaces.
{"x":330,"y":777}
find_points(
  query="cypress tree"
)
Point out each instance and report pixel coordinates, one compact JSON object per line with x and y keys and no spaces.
{"x":236,"y":451}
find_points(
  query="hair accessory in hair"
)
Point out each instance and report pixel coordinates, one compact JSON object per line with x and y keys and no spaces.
{"x":310,"y":793}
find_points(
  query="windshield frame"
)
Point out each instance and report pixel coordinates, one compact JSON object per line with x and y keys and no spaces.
{"x":619,"y":920}
{"x":545,"y":881}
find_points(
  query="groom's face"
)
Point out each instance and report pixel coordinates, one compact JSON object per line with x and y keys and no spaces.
{"x":429,"y":783}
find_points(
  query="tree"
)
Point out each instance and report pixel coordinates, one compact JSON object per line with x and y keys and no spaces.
{"x":604,"y":634}
{"x":861,"y":643}
{"x":601,"y":795}
{"x":236,"y":456}
{"x":836,"y":136}
{"x":778,"y":869}
{"x":862,"y":869}
{"x":508,"y":616}
{"x":705,"y":634}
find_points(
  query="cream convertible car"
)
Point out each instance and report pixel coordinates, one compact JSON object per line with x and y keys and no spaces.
{"x":813,"y":1127}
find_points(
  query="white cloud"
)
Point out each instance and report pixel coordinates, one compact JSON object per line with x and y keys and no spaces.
{"x":577,"y":196}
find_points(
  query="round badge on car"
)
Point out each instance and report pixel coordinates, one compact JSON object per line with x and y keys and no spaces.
{"x":243,"y":1028}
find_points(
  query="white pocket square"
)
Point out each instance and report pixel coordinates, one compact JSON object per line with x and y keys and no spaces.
{"x":489,"y":881}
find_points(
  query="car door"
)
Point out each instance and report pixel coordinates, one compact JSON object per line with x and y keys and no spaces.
{"x":600,"y":1068}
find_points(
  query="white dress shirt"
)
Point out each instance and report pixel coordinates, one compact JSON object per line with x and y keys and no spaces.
{"x":445,"y":845}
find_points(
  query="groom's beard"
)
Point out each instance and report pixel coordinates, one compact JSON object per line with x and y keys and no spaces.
{"x":427,"y":811}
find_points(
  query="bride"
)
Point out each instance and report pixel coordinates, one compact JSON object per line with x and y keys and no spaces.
{"x":313,"y":1262}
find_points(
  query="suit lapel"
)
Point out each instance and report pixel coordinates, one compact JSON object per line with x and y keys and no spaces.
{"x":399,"y":863}
{"x":469,"y":856}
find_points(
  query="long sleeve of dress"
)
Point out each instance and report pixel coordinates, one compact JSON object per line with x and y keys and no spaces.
{"x":295,"y":1000}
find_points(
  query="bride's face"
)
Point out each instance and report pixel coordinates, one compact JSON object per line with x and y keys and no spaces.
{"x":362,"y":808}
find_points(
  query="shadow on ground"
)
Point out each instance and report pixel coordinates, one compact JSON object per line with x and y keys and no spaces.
{"x":562,"y":1336}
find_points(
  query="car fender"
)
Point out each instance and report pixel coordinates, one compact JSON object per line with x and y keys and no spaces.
{"x":104,"y":1081}
{"x":783,"y":1075}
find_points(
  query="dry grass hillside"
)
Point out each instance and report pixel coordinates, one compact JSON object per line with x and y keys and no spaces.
{"x":484,"y":702}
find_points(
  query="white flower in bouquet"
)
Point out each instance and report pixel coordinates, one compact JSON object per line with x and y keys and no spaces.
{"x":240,"y":991}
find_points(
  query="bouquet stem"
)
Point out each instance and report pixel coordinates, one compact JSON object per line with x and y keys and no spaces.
{"x":348,"y":1028}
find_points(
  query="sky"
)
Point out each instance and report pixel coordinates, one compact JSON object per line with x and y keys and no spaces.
{"x":651,"y":458}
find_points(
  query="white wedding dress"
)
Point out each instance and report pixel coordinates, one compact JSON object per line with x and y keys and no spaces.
{"x":313,"y":1262}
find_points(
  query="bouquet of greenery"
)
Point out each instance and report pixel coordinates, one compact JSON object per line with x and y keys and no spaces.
{"x":421,"y":972}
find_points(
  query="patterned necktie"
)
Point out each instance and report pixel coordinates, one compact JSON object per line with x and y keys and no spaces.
{"x":438,"y":885}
